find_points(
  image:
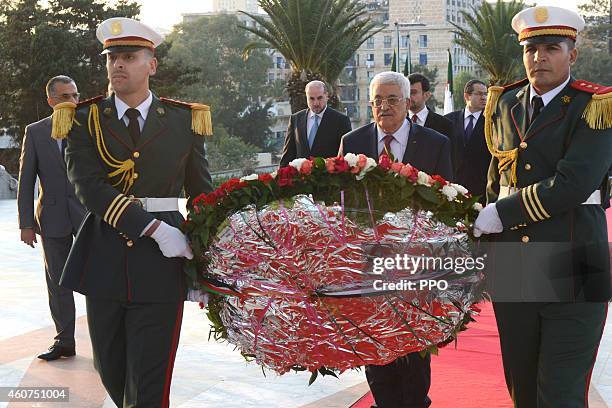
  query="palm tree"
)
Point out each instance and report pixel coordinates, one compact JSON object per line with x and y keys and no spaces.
{"x":490,"y":40}
{"x":317,"y":38}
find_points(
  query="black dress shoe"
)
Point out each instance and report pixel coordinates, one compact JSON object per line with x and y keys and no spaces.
{"x":56,"y":352}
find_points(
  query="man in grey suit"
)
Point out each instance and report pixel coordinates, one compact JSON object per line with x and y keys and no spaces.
{"x":58,"y":212}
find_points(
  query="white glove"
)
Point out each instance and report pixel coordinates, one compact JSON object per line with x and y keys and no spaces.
{"x":194,"y":295}
{"x":172,"y":242}
{"x":488,"y":221}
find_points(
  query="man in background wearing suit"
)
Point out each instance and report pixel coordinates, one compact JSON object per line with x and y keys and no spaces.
{"x":405,"y":381}
{"x":315,"y":131}
{"x":58,"y":212}
{"x":470,"y":154}
{"x":420,"y":92}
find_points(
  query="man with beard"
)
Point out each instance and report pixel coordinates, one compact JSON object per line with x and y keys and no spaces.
{"x":315,"y":131}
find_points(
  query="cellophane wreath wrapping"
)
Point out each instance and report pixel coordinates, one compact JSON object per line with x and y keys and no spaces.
{"x":293,"y":262}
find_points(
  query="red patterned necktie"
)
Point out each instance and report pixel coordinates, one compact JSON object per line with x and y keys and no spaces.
{"x":415,"y":119}
{"x":387,"y":149}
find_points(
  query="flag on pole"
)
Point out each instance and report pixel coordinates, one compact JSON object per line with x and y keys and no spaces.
{"x":448,"y":91}
{"x":394,"y":62}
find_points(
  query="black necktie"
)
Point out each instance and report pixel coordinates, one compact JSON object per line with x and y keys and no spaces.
{"x":468,"y":130}
{"x":133,"y":126}
{"x":537,"y":104}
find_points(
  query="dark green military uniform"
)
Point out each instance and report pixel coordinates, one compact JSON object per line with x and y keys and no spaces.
{"x":553,"y":254}
{"x":134,"y":294}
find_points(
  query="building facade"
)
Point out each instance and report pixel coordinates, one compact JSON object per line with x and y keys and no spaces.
{"x":425,"y":33}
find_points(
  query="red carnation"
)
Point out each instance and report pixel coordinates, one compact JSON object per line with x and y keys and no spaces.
{"x":341,"y":165}
{"x":439,"y":179}
{"x":285,"y":176}
{"x":265,"y":178}
{"x":384,"y":162}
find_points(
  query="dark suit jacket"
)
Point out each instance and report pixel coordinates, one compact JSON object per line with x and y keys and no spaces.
{"x":471,"y":162}
{"x":58,"y":212}
{"x":333,"y":126}
{"x":427,"y":150}
{"x":439,"y":123}
{"x":109,"y":259}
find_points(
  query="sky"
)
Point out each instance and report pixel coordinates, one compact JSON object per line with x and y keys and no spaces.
{"x":164,"y":13}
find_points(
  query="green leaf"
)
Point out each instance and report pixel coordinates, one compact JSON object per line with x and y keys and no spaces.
{"x":428,"y":194}
{"x":313,"y":377}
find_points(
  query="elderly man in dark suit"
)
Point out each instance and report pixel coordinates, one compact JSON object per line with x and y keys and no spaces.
{"x":58,"y":212}
{"x":315,"y":131}
{"x":405,"y":381}
{"x":470,"y":154}
{"x":419,"y":113}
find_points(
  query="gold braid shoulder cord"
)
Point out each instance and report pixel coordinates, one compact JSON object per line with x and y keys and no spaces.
{"x":123,"y":168}
{"x":505,"y":158}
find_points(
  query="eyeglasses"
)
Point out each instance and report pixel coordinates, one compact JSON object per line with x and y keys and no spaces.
{"x":479,"y":93}
{"x":67,"y":96}
{"x":391,"y":101}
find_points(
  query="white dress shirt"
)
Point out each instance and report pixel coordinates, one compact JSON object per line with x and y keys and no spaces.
{"x":466,"y":118}
{"x":547,"y":97}
{"x":143,"y":108}
{"x":310,"y":121}
{"x":421,"y":115}
{"x":398,"y":144}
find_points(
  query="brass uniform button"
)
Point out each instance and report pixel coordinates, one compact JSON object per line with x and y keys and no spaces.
{"x":523,"y":146}
{"x":528,"y":167}
{"x":130,"y":243}
{"x":136,"y":155}
{"x":135,"y":176}
{"x":525,"y":239}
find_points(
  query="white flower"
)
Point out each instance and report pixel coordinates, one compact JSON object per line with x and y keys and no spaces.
{"x":250,"y":177}
{"x":449,"y":192}
{"x":297,"y":163}
{"x":477,"y":206}
{"x":351,"y":159}
{"x":460,"y":189}
{"x":424,"y":179}
{"x":369,"y":165}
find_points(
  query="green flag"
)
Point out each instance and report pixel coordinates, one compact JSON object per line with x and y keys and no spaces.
{"x":394,"y":62}
{"x":448,"y":91}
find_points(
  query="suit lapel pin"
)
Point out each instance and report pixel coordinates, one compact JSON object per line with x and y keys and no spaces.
{"x":161,"y":111}
{"x":108,"y":111}
{"x":565,"y":99}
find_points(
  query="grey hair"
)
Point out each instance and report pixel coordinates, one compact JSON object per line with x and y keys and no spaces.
{"x":391,"y":78}
{"x":50,"y":88}
{"x":316,"y":83}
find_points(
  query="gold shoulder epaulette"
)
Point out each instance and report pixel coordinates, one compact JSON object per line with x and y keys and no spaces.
{"x":63,"y":116}
{"x":201,"y":120}
{"x":506,"y":158}
{"x":598,"y":112}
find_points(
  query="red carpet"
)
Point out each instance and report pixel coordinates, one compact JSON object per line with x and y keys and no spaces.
{"x":470,"y":375}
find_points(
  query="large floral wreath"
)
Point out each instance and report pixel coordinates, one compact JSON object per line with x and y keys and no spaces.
{"x":352,"y":181}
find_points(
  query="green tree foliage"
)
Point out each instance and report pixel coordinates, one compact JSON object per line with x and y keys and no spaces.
{"x":204,"y":64}
{"x":594,"y":61}
{"x":317,"y":37}
{"x":39,"y":40}
{"x":490,"y":40}
{"x":226,"y":152}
